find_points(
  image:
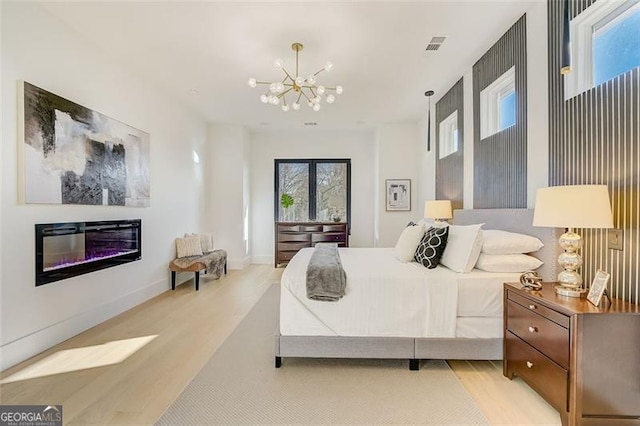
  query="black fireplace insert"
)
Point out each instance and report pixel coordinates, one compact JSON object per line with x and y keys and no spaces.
{"x":65,"y":250}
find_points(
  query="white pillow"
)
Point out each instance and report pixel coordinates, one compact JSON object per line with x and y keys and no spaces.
{"x":463,"y":247}
{"x":507,"y":262}
{"x":503,"y":242}
{"x":206,"y":241}
{"x":188,"y":246}
{"x":408,"y":242}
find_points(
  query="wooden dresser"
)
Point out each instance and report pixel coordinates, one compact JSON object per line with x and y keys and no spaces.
{"x":293,"y":236}
{"x":584,"y":360}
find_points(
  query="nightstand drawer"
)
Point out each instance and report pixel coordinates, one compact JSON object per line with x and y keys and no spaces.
{"x":534,"y":306}
{"x":543,"y":334}
{"x":542,"y":374}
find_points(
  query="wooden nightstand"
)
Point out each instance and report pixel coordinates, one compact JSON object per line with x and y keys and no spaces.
{"x":584,"y":360}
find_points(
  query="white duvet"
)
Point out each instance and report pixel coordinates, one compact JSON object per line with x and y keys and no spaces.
{"x":374,"y":305}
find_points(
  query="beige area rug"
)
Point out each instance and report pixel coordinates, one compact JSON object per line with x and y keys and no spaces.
{"x":239,"y":385}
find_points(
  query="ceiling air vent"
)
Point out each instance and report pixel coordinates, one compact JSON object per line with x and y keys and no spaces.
{"x":436,"y":42}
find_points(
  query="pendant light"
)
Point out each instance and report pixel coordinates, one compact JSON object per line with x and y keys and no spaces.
{"x":428,"y":94}
{"x":565,"y":65}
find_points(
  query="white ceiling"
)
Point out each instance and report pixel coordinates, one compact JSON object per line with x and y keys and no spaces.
{"x":377,"y":48}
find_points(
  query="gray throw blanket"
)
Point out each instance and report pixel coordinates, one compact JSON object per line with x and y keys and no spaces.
{"x":326,"y":280}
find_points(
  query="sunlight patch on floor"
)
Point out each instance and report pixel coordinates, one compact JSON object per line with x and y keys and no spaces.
{"x":108,"y":353}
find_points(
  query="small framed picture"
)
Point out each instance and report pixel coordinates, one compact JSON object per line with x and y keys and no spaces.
{"x":398,"y":194}
{"x":598,"y":287}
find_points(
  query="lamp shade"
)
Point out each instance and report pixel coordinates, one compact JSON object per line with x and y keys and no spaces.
{"x":437,"y":209}
{"x":573,"y":206}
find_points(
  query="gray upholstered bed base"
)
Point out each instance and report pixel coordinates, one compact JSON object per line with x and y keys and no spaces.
{"x":412,"y":349}
{"x":415,"y":349}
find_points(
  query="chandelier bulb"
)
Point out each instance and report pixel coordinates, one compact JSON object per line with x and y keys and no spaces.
{"x":264,"y":98}
{"x":285,"y":107}
{"x":273,"y":87}
{"x":276,"y":100}
{"x":280,"y":87}
{"x":320,"y":90}
{"x":310,"y":103}
{"x":311,"y":79}
{"x":339,"y":90}
{"x":299,"y":81}
{"x":278,"y":64}
{"x":252,"y":82}
{"x":317,"y":99}
{"x":328,"y":66}
{"x":296,"y":106}
{"x":330,"y":99}
{"x":316,"y":107}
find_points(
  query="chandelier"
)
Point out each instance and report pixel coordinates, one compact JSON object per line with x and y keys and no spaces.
{"x":306,"y":89}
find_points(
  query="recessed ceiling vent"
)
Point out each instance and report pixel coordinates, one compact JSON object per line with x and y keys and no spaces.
{"x":436,"y":42}
{"x":310,"y":123}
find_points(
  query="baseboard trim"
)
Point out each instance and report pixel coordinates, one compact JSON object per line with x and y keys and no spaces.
{"x":25,"y":347}
{"x":239,"y":263}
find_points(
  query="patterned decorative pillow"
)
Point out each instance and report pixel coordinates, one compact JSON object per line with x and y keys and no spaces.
{"x":188,"y":246}
{"x":431,"y":247}
{"x":206,"y":241}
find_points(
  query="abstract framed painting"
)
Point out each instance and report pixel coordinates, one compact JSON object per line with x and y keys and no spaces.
{"x":398,"y":194}
{"x":74,"y":155}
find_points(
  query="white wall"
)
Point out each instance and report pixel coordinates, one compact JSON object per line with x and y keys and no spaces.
{"x":359,"y":146}
{"x":537,"y":101}
{"x":39,"y":49}
{"x":228,"y":191}
{"x":399,"y":150}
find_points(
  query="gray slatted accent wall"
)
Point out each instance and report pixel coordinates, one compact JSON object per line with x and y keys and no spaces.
{"x":500,"y":160}
{"x":449,"y":170}
{"x":594,"y":138}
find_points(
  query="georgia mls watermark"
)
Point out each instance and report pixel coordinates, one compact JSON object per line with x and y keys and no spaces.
{"x":30,"y":415}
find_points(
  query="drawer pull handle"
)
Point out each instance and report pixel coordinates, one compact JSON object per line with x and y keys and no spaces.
{"x":533,"y":329}
{"x":532,"y":307}
{"x":529,"y":364}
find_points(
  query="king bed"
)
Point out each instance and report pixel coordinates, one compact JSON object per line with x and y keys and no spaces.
{"x":402,"y":310}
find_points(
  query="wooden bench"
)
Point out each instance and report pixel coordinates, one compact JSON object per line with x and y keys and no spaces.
{"x":197,"y":264}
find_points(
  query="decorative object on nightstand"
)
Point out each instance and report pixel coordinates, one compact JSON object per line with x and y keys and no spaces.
{"x":582,"y":359}
{"x":439,"y":210}
{"x":572,"y":206}
{"x":599,"y":288}
{"x":531,"y":280}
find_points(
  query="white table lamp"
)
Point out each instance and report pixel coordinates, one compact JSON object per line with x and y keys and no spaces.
{"x":572,"y":206}
{"x":440,"y":210}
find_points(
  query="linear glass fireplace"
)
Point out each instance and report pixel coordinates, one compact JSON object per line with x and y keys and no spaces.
{"x":65,"y":250}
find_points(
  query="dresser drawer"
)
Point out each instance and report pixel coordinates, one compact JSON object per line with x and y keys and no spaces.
{"x":311,"y":228}
{"x":535,"y":306}
{"x":293,"y":246}
{"x":284,"y":256}
{"x":327,"y":238}
{"x":288,"y":228}
{"x":542,"y":374}
{"x":543,"y":334}
{"x":340,"y":227}
{"x":293,"y":237}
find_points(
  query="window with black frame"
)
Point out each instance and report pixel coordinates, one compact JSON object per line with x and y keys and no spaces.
{"x":312,"y":190}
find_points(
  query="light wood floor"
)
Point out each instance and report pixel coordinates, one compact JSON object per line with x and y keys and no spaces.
{"x":129,"y":369}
